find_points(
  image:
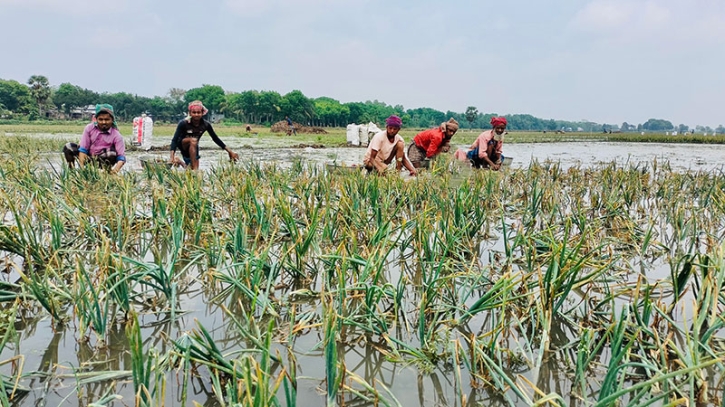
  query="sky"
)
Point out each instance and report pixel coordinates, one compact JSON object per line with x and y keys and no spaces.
{"x":606,"y":61}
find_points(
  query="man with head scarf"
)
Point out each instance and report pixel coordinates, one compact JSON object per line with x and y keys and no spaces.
{"x":487,"y":150}
{"x":429,"y":143}
{"x":101,"y":141}
{"x":386,"y":146}
{"x":189,"y":131}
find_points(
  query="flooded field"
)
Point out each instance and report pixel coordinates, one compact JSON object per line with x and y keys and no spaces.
{"x":680,"y":157}
{"x":586,"y":274}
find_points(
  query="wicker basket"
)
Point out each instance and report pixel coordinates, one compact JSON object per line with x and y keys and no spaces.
{"x":151,"y":162}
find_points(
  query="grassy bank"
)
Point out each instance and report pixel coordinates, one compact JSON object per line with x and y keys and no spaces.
{"x":337,"y":136}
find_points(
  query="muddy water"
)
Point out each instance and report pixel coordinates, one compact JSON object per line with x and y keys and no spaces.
{"x":55,"y":351}
{"x":681,"y":157}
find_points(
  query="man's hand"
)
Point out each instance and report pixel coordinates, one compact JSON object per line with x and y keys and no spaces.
{"x":413,"y":172}
{"x":232,"y":155}
{"x":116,"y":168}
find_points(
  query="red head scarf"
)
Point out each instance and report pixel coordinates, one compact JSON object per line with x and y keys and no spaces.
{"x":498,"y":121}
{"x":197,"y":103}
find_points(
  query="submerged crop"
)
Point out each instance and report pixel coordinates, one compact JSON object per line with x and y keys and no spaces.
{"x":258,"y":285}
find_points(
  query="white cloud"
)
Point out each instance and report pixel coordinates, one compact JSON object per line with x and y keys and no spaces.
{"x":256,"y":8}
{"x":614,"y":16}
{"x":68,"y":7}
{"x":604,"y":16}
{"x":248,"y":8}
{"x":664,"y":25}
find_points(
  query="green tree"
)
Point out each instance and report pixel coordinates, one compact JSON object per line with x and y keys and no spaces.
{"x":211,"y":95}
{"x":297,"y":106}
{"x":471,"y":115}
{"x":40,"y":91}
{"x":270,"y":106}
{"x":657,"y":125}
{"x":330,"y":112}
{"x":175,"y":97}
{"x":15,"y":97}
{"x":69,"y":96}
{"x":162,"y":109}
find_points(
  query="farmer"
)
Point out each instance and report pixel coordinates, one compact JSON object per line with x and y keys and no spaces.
{"x":429,"y":143}
{"x":291,"y":126}
{"x":386,"y":146}
{"x":101,"y":141}
{"x":189,"y":131}
{"x":487,"y":150}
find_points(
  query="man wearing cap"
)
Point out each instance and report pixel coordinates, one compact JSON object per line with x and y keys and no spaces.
{"x":429,"y":143}
{"x":386,"y":146}
{"x":101,"y":141}
{"x":189,"y":131}
{"x":487,"y":150}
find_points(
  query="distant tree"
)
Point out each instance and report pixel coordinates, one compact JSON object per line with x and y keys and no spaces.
{"x":297,"y":106}
{"x":211,"y":95}
{"x":625,"y":127}
{"x":249,"y":104}
{"x":425,"y":117}
{"x":682,"y":129}
{"x":40,"y":91}
{"x":69,"y":96}
{"x":657,"y":125}
{"x":720,"y":129}
{"x":163,"y":109}
{"x":270,"y":106}
{"x":15,"y":97}
{"x":330,"y":112}
{"x":175,"y":97}
{"x":471,"y":115}
{"x":358,"y":112}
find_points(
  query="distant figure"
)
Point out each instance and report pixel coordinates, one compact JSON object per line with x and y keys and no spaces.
{"x":429,"y":143}
{"x":249,"y":128}
{"x":189,"y":131}
{"x":386,"y":146}
{"x":101,"y":141}
{"x":291,"y":126}
{"x":487,"y":150}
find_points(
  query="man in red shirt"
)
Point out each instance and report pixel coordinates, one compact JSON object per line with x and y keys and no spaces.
{"x":430,"y":143}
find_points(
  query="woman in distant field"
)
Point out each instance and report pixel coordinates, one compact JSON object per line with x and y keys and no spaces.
{"x":431,"y":142}
{"x":487,"y":150}
{"x":189,"y":131}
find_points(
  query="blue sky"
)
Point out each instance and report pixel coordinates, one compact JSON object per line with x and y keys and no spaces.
{"x":601,"y":60}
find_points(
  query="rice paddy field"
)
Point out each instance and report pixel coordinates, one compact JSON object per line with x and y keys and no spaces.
{"x":589,"y":273}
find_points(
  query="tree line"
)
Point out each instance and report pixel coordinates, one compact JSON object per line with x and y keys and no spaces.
{"x":37,"y":99}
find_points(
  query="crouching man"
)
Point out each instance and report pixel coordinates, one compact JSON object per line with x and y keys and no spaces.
{"x":101,"y":143}
{"x":386,"y":146}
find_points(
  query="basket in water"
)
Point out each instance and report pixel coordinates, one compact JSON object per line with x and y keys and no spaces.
{"x":342,"y":169}
{"x":150,"y":163}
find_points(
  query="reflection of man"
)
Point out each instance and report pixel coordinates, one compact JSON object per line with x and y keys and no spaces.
{"x":291,"y":126}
